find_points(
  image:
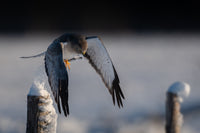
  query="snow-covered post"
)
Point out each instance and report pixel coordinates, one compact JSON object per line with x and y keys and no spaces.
{"x":41,"y":115}
{"x":174,"y":118}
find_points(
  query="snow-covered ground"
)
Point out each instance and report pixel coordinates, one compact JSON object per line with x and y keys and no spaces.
{"x":147,"y":65}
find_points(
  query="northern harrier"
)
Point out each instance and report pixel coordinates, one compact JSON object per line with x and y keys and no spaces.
{"x":62,"y":50}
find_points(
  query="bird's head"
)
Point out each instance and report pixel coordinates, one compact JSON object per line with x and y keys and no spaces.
{"x":79,"y":43}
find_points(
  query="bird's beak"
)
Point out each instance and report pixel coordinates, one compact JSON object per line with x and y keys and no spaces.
{"x":84,"y":52}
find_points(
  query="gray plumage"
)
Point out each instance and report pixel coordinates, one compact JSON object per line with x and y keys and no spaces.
{"x":92,"y":48}
{"x":57,"y":75}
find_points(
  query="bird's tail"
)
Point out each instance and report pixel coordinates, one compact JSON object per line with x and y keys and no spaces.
{"x":34,"y":56}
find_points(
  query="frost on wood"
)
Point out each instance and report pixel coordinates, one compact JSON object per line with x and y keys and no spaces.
{"x":41,"y":116}
{"x":47,"y":115}
{"x":181,"y":89}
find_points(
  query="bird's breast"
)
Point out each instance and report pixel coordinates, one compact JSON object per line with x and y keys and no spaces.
{"x":68,"y":53}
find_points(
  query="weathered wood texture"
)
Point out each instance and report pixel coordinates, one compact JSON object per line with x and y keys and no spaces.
{"x":173,"y":114}
{"x":34,"y":113}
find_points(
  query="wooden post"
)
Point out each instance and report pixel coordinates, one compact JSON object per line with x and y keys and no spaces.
{"x":172,"y":113}
{"x":174,"y":118}
{"x":41,"y":115}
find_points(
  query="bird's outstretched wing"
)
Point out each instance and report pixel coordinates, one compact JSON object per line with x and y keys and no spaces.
{"x":99,"y":58}
{"x":57,"y":75}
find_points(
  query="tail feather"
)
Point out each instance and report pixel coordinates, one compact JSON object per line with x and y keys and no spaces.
{"x":34,"y":56}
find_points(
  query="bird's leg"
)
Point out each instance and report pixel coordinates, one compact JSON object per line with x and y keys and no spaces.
{"x":75,"y":58}
{"x":67,"y":64}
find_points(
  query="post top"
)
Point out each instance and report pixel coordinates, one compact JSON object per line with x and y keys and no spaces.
{"x":38,"y":89}
{"x":182,"y":89}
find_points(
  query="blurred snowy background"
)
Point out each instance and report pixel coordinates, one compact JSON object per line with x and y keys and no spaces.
{"x":152,"y":45}
{"x":147,"y":65}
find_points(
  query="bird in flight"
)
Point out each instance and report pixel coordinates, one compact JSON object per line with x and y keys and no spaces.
{"x":63,"y":50}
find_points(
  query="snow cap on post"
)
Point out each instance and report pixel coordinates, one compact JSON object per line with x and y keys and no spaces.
{"x":39,"y":85}
{"x":181,"y":89}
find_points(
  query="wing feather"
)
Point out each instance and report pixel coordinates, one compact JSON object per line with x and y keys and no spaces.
{"x":57,"y":76}
{"x":100,"y":60}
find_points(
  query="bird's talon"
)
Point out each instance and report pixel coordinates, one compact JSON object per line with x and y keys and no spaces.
{"x":67,"y":64}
